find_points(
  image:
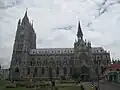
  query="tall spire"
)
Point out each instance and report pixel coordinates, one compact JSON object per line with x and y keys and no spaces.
{"x":25,"y":18}
{"x":19,"y":23}
{"x":79,"y":33}
{"x":32,"y":23}
{"x":26,"y":12}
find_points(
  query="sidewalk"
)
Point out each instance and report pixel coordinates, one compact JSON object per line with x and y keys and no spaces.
{"x":103,"y":86}
{"x":114,"y":84}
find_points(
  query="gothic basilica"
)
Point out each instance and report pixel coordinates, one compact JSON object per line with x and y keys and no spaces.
{"x":29,"y":62}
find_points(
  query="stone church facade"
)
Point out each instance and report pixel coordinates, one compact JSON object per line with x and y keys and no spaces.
{"x":29,"y":62}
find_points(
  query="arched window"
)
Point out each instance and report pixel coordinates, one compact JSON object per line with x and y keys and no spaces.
{"x":16,"y":69}
{"x":57,"y":71}
{"x":44,"y":62}
{"x":50,"y":71}
{"x":39,"y":62}
{"x":43,"y":70}
{"x":70,"y":62}
{"x":101,"y":67}
{"x":84,"y":70}
{"x":57,"y":62}
{"x":65,"y":70}
{"x":31,"y":63}
{"x":70,"y":70}
{"x":28,"y":71}
{"x":35,"y":72}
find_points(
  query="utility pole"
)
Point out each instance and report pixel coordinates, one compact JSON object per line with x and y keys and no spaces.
{"x":51,"y":77}
{"x":98,"y":74}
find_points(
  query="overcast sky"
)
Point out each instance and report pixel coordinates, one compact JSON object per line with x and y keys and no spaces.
{"x":55,"y":22}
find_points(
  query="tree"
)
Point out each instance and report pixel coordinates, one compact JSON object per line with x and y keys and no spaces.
{"x":113,"y":61}
{"x":118,"y":61}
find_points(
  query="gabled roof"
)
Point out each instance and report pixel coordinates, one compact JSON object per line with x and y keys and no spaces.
{"x":114,"y":66}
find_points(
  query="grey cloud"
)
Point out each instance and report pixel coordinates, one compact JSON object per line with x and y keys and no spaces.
{"x":5,"y":56}
{"x":114,"y":48}
{"x":4,"y":4}
{"x":115,"y":43}
{"x":4,"y":62}
{"x":103,"y":7}
{"x":41,"y":40}
{"x":56,"y":41}
{"x":48,"y":41}
{"x":57,"y":18}
{"x":69,"y":27}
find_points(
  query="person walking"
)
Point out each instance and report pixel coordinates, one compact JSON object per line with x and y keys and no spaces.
{"x":96,"y":87}
{"x":92,"y":88}
{"x":82,"y":87}
{"x":92,"y":83}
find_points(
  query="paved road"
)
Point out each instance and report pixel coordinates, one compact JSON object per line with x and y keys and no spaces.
{"x":105,"y":86}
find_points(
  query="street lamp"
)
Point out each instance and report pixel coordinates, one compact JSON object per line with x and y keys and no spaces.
{"x":10,"y":70}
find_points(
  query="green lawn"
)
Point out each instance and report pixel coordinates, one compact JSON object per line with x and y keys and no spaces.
{"x":3,"y":83}
{"x":64,"y":86}
{"x":60,"y":88}
{"x":16,"y":88}
{"x":70,"y":88}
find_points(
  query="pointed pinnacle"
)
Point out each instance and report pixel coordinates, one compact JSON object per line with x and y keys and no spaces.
{"x":32,"y":23}
{"x":26,"y":12}
{"x":19,"y":21}
{"x":79,"y":33}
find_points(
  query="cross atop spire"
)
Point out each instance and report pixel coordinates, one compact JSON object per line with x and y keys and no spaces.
{"x":79,"y":32}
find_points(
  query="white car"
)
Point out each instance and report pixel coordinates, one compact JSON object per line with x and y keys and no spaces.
{"x":101,"y":81}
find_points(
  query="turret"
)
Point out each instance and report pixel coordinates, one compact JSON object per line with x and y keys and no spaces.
{"x":24,"y":41}
{"x":89,"y":44}
{"x":19,"y":24}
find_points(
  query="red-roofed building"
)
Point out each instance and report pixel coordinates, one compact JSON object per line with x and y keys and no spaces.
{"x":114,"y":66}
{"x":112,"y":73}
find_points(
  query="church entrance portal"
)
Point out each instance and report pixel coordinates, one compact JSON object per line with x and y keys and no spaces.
{"x":84,"y":73}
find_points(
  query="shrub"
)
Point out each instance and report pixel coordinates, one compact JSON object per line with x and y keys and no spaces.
{"x":22,"y":84}
{"x":67,"y":82}
{"x":56,"y":88}
{"x":30,"y":86}
{"x":11,"y":85}
{"x":63,"y":78}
